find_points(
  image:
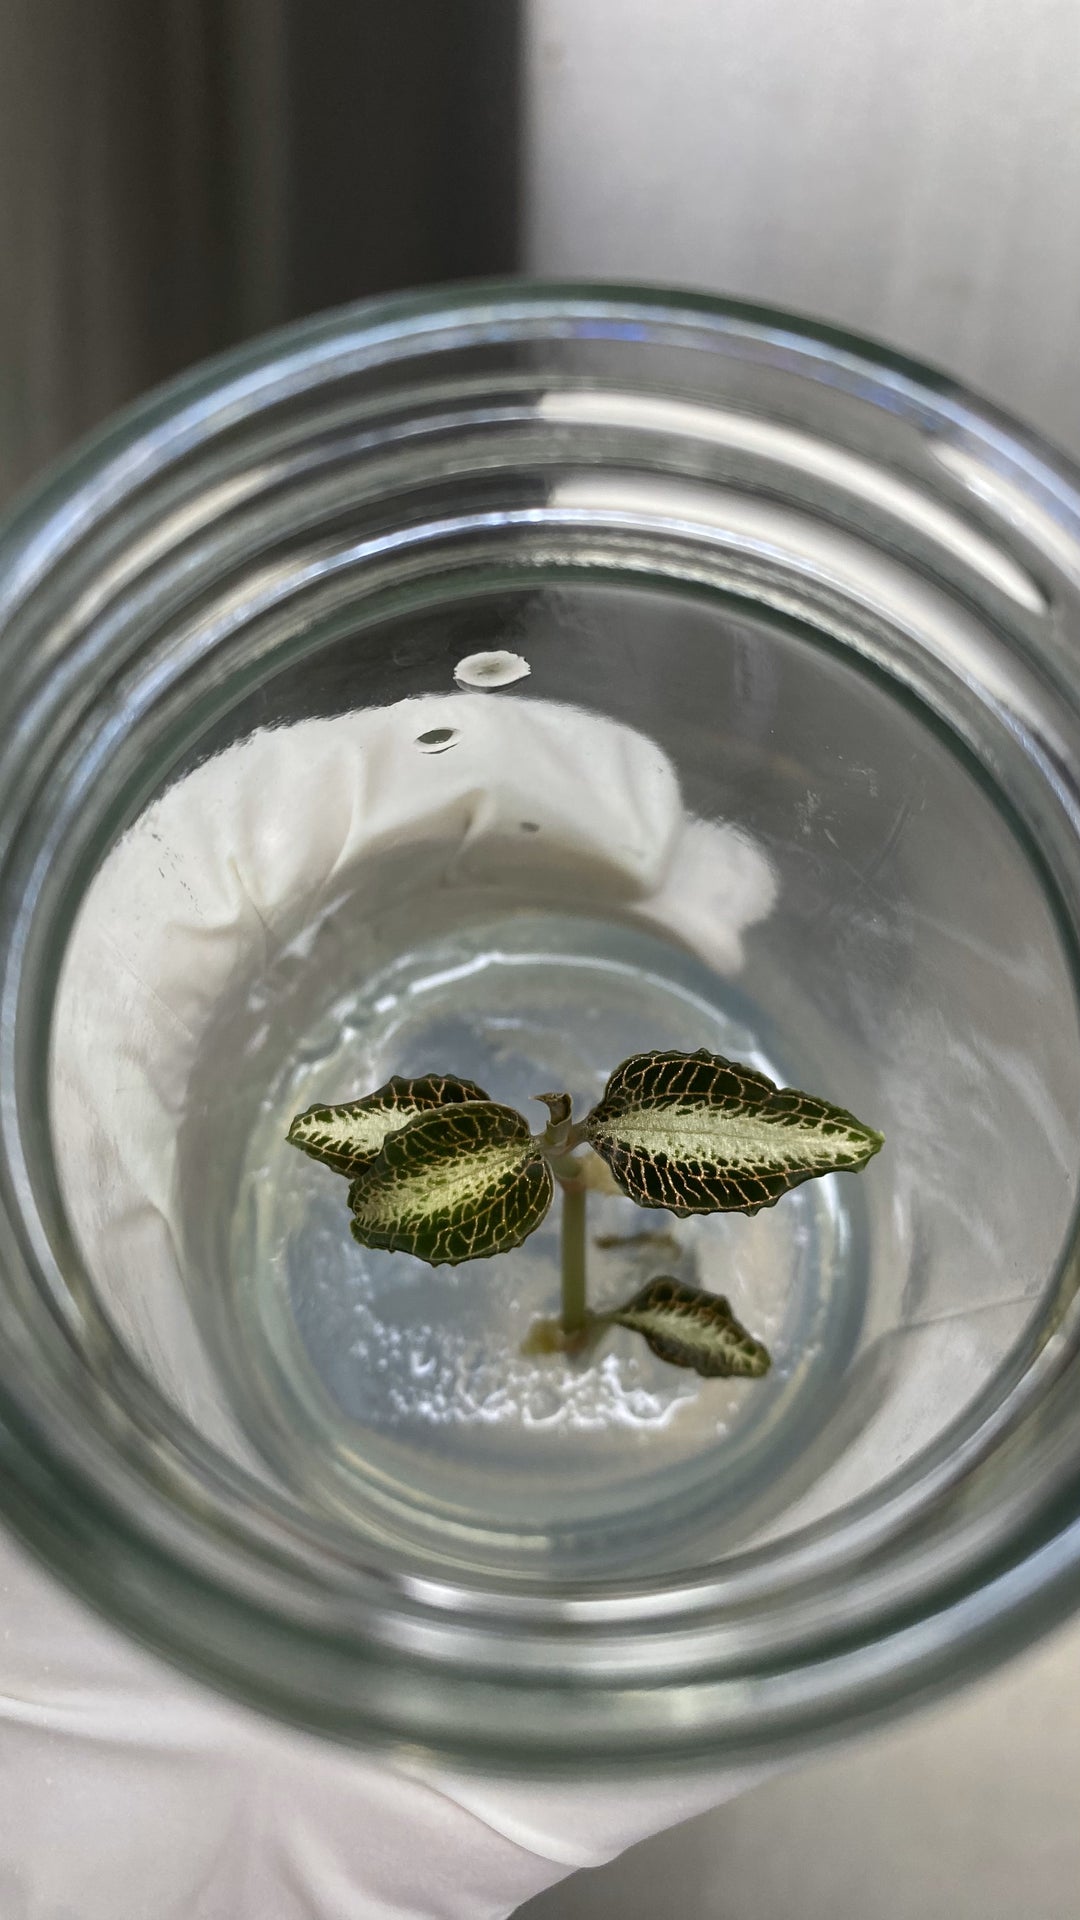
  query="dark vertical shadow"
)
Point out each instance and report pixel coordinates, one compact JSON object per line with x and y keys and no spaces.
{"x":176,"y":175}
{"x":116,"y":202}
{"x":405,"y":136}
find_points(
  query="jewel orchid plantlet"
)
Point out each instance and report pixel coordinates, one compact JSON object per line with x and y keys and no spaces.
{"x":438,"y":1170}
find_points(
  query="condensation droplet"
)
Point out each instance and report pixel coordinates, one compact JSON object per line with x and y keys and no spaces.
{"x":491,"y":670}
{"x":438,"y":739}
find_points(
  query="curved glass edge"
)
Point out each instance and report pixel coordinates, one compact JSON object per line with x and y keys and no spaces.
{"x":124,"y":451}
{"x":738,"y":1722}
{"x":118,"y":444}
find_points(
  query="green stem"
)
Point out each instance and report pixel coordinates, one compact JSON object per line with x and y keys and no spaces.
{"x":573,"y":1258}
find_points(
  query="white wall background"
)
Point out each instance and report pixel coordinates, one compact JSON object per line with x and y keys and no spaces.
{"x":907,"y":168}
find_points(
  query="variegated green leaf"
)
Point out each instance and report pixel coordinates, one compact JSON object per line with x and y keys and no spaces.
{"x":691,"y":1328}
{"x":349,"y":1136}
{"x":461,"y":1183}
{"x":694,"y":1133}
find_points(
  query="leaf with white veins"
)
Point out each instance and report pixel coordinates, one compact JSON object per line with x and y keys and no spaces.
{"x":690,"y":1328}
{"x":694,"y":1133}
{"x":461,"y":1183}
{"x":348,"y":1137}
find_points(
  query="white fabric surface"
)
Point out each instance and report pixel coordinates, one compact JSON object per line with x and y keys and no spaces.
{"x":130,"y":1793}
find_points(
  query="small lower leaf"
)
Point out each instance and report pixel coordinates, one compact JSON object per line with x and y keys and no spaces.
{"x":691,"y":1328}
{"x":348,"y":1137}
{"x":461,"y":1183}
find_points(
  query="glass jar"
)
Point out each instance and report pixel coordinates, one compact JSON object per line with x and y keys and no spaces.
{"x":500,"y":681}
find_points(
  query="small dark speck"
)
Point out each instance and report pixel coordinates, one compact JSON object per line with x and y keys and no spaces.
{"x":530,"y":826}
{"x":437,"y":739}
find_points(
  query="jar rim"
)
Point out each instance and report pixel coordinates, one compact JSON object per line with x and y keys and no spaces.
{"x":853,"y":1615}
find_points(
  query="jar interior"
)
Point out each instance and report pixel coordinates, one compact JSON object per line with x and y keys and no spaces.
{"x":703,"y":819}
